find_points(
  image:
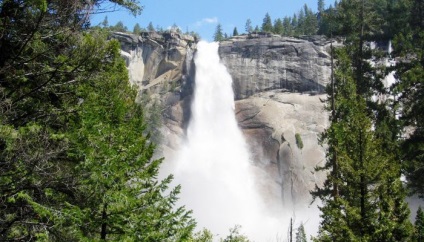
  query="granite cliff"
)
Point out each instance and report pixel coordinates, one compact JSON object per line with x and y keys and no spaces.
{"x":278,"y":83}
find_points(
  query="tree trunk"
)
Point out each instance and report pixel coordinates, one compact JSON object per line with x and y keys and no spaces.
{"x":103,"y":232}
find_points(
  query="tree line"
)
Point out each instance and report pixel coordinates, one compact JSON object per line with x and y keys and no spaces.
{"x":137,"y":29}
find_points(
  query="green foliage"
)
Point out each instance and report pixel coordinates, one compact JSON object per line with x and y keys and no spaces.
{"x":300,"y":234}
{"x":117,"y":173}
{"x":267,"y":24}
{"x":150,"y":27}
{"x":419,"y":226}
{"x":358,"y":202}
{"x":248,"y":26}
{"x":202,"y":236}
{"x":299,"y":141}
{"x":218,"y":35}
{"x":105,"y":22}
{"x":235,"y":32}
{"x":119,"y":27}
{"x":137,"y":29}
{"x":76,"y":162}
{"x":321,"y":6}
{"x":235,"y":236}
{"x":278,"y":26}
{"x":410,"y":72}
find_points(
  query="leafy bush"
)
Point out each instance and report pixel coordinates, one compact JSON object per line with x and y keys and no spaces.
{"x":299,"y":141}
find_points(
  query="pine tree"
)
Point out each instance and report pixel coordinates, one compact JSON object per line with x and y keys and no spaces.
{"x":235,"y":32}
{"x":310,"y":22}
{"x":119,"y":27}
{"x":419,"y":226}
{"x":117,"y":173}
{"x":267,"y":24}
{"x":358,"y":202}
{"x":408,"y":48}
{"x":300,"y":234}
{"x":278,"y":26}
{"x":150,"y":27}
{"x":105,"y":23}
{"x":137,"y":29}
{"x":287,"y":27}
{"x":294,"y":25}
{"x":66,"y":134}
{"x":248,"y":26}
{"x":38,"y":183}
{"x":218,"y":35}
{"x":359,"y":206}
{"x":321,"y":6}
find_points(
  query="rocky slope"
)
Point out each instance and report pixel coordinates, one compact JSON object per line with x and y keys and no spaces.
{"x":278,"y":83}
{"x":263,"y":62}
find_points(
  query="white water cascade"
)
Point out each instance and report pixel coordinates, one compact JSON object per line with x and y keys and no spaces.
{"x":213,"y":165}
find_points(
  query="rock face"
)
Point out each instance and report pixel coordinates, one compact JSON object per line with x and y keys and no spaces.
{"x":270,"y":121}
{"x":158,"y":62}
{"x":278,"y":84}
{"x":261,"y":63}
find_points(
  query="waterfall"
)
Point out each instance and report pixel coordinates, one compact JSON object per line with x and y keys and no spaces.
{"x":213,"y":165}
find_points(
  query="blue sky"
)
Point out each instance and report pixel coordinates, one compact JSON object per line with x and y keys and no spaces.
{"x":203,"y":16}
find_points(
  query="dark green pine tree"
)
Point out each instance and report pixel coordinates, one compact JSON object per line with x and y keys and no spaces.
{"x":409,"y":50}
{"x":120,"y":198}
{"x":363,"y":198}
{"x":278,"y":26}
{"x":267,"y":24}
{"x":287,"y":27}
{"x":71,"y":167}
{"x":419,"y":226}
{"x":376,"y":202}
{"x":235,"y":32}
{"x":218,"y":35}
{"x":310,"y":22}
{"x":294,"y":25}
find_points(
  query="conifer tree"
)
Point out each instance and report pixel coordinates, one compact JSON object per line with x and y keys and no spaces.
{"x":235,"y":32}
{"x":321,"y":6}
{"x":278,"y":26}
{"x":137,"y":29}
{"x":218,"y":35}
{"x":419,"y":226}
{"x":66,"y":145}
{"x":248,"y":26}
{"x":359,"y":203}
{"x":287,"y":27}
{"x":300,"y":234}
{"x":408,"y":48}
{"x":267,"y":24}
{"x":367,"y":205}
{"x":150,"y":27}
{"x":120,"y":198}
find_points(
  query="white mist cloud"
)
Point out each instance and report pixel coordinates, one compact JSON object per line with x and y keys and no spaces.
{"x":204,"y":21}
